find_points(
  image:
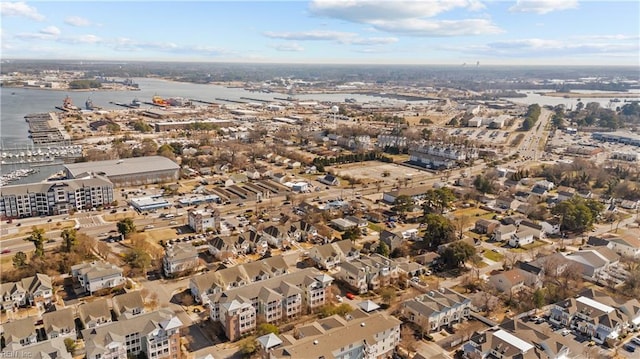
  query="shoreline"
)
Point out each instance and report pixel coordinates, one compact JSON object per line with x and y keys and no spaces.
{"x":590,"y":94}
{"x":72,"y":90}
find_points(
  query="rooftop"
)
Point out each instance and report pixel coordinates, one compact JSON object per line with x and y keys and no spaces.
{"x":124,"y":166}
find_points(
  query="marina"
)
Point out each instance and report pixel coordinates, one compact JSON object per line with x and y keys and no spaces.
{"x":16,"y":175}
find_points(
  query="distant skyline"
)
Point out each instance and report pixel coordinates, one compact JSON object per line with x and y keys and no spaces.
{"x":453,"y":32}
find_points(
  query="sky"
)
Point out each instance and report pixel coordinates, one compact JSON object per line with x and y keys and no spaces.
{"x":453,"y":32}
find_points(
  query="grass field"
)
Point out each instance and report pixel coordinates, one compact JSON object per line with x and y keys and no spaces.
{"x":114,"y":217}
{"x":491,"y":255}
{"x":156,"y":235}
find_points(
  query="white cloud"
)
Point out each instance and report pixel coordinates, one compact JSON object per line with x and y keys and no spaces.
{"x":288,"y":47}
{"x":543,"y":6}
{"x":20,"y":9}
{"x":437,"y":28}
{"x":414,"y":18}
{"x":534,"y":47}
{"x":51,"y":31}
{"x":374,"y":41}
{"x":364,"y":11}
{"x":320,"y":35}
{"x":77,"y":21}
{"x":82,"y":39}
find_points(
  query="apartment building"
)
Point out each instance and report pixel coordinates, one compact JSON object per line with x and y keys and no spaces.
{"x":97,"y":275}
{"x":437,"y":309}
{"x":368,"y":272}
{"x":55,"y":197}
{"x":201,"y":286}
{"x":277,"y":299}
{"x":128,"y":305}
{"x":36,"y":290}
{"x":328,"y":256}
{"x":155,"y":334}
{"x":358,"y":335}
{"x":180,"y":258}
{"x":591,"y":317}
{"x":204,"y":219}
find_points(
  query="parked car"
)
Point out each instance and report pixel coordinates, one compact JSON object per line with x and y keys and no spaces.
{"x":350,"y":295}
{"x":636,"y":340}
{"x":5,"y":251}
{"x":339,"y":298}
{"x":630,"y":348}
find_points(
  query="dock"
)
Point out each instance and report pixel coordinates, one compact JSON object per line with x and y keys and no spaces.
{"x":204,"y":102}
{"x":123,"y":104}
{"x":45,"y":128}
{"x":229,"y":100}
{"x":255,"y":99}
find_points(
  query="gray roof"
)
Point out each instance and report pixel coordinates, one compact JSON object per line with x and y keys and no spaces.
{"x":44,"y":187}
{"x":96,"y":309}
{"x":97,"y":338}
{"x":60,"y":319}
{"x":126,"y":166}
{"x":96,"y":269}
{"x":275,"y":288}
{"x":326,"y":336}
{"x":48,"y":349}
{"x":18,"y":329}
{"x":127,"y":301}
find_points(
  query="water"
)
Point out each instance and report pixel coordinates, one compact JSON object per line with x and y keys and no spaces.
{"x":18,"y":102}
{"x":533,"y":97}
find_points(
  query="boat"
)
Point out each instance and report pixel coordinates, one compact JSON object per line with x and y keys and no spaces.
{"x":90,"y":106}
{"x":135,"y":102}
{"x":67,"y":105}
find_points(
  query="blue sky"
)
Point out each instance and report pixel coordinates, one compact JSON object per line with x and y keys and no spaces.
{"x":524,"y":32}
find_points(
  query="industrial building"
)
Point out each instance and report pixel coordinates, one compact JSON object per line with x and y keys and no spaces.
{"x":55,"y":197}
{"x":129,"y":171}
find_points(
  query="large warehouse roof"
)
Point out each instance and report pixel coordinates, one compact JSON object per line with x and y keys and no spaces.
{"x":127,"y":166}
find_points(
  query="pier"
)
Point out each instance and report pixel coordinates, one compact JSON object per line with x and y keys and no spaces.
{"x":255,"y":99}
{"x":229,"y":100}
{"x":205,"y":102}
{"x":45,"y":128}
{"x":123,"y":104}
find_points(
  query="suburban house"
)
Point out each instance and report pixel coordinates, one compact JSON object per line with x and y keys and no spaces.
{"x":225,"y":247}
{"x":329,"y":180}
{"x":155,"y":335}
{"x":94,"y":313}
{"x":201,"y":286}
{"x":94,"y":276}
{"x":276,"y":236}
{"x":328,"y":256}
{"x":47,"y":349}
{"x":486,"y":226}
{"x":302,"y":231}
{"x":627,"y":247}
{"x":180,"y":258}
{"x":595,"y":263}
{"x":504,"y":232}
{"x":437,"y":309}
{"x":36,"y":290}
{"x":19,"y":334}
{"x":392,"y":240}
{"x":358,"y":335}
{"x":514,"y":280}
{"x":565,"y":193}
{"x":520,"y":238}
{"x":274,"y":300}
{"x":60,"y":323}
{"x":128,"y":305}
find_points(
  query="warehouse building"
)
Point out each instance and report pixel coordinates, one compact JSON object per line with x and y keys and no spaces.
{"x":129,"y":171}
{"x":55,"y":197}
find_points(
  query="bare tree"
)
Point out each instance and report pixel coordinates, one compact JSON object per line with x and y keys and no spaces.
{"x":407,"y":339}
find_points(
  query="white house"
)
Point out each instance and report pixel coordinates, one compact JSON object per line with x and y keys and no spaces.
{"x":96,"y":275}
{"x":627,"y":247}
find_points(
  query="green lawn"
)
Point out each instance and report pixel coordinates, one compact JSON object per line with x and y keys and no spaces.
{"x":375,"y":227}
{"x":535,"y":244}
{"x":491,"y":255}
